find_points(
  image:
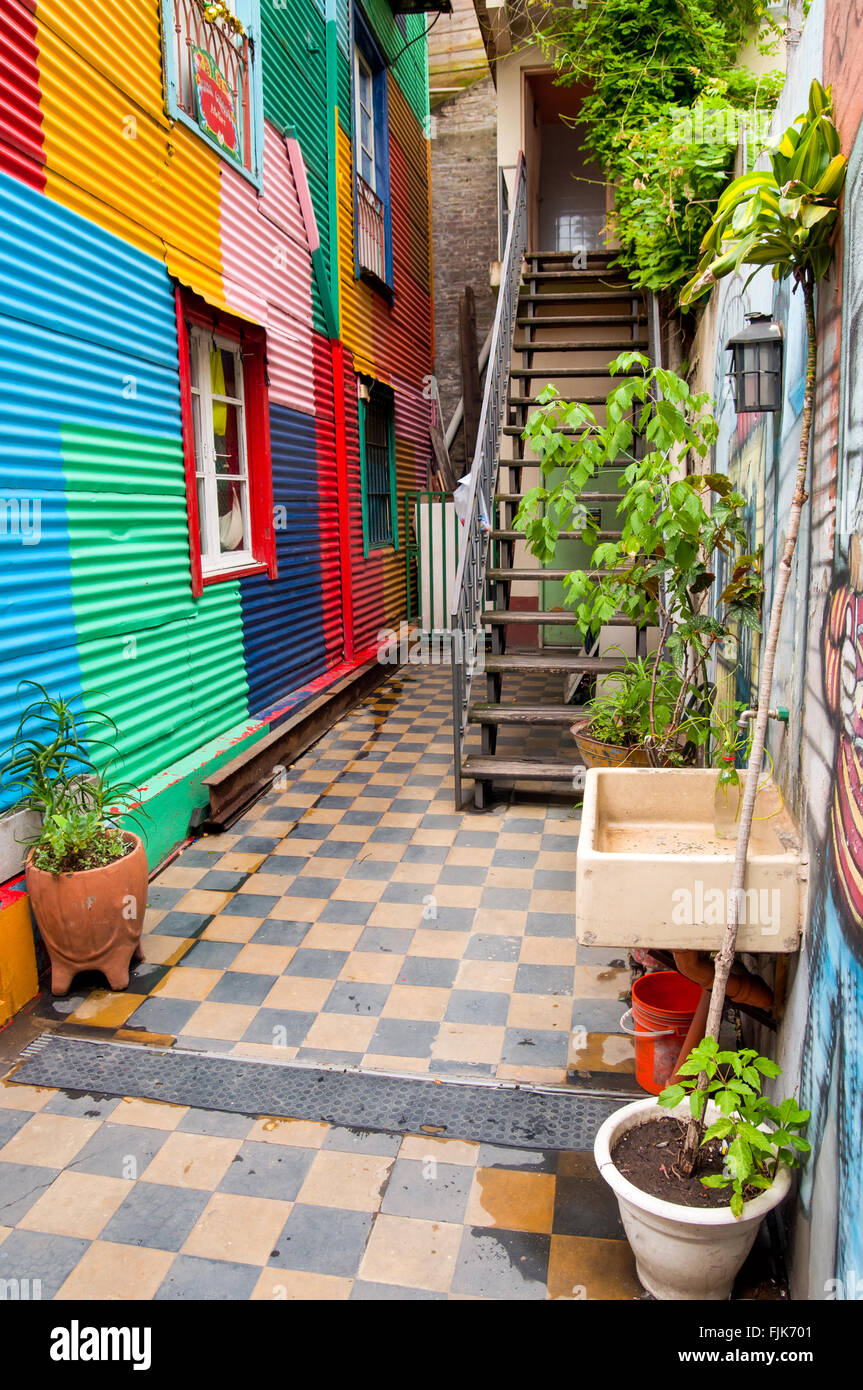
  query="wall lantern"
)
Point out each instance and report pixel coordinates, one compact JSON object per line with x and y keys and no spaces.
{"x":756,"y":365}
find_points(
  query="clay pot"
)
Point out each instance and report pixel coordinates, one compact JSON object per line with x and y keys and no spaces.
{"x":93,"y":919}
{"x":595,"y":753}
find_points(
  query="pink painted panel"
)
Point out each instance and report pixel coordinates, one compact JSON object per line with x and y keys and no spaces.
{"x":268,"y":270}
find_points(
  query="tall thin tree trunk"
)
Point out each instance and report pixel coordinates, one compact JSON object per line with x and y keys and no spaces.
{"x":725,"y":958}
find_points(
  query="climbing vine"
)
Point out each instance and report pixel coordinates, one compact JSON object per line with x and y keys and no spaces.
{"x":666,"y":109}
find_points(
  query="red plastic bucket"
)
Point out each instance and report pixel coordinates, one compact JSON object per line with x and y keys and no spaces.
{"x":663,"y":1006}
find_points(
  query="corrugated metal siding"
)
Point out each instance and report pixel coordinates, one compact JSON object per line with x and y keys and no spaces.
{"x":382,"y":336}
{"x":268,"y":271}
{"x":328,"y":502}
{"x":367,"y":604}
{"x":408,"y":59}
{"x":295,"y":95}
{"x":158,"y":190}
{"x":91,"y":415}
{"x":283,"y":635}
{"x":20,"y":118}
{"x":412,"y":147}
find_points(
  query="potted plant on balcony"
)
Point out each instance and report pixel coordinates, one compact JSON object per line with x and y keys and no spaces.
{"x":86,"y":877}
{"x":690,"y":1235}
{"x":677,"y":525}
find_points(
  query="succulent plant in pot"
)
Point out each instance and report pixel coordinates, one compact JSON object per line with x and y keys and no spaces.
{"x":86,"y":876}
{"x":691,"y":1234}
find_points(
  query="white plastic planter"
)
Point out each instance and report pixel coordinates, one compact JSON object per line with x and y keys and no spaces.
{"x":681,"y":1252}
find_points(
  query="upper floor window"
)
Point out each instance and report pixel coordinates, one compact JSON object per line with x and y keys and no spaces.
{"x":371,"y":158}
{"x":212,"y":78}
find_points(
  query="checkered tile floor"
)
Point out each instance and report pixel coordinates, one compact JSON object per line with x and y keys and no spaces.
{"x":135,"y":1199}
{"x":353,"y":918}
{"x":128,"y":1199}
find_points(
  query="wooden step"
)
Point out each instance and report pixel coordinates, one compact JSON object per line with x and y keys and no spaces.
{"x":579,"y":320}
{"x":520,"y":769}
{"x":544,"y":370}
{"x":523,"y":401}
{"x":554,"y":617}
{"x":594,"y":497}
{"x":636,"y":344}
{"x":579,"y":296}
{"x":552,"y":659}
{"x":519,"y":617}
{"x":505,"y":535}
{"x":569,"y":255}
{"x":510,"y":576}
{"x":619,"y":280}
{"x":564,"y":715}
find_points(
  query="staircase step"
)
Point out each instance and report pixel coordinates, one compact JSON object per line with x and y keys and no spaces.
{"x":594,"y":497}
{"x":528,"y":373}
{"x":554,"y":617}
{"x":520,"y":769}
{"x":509,"y":576}
{"x":579,"y":296}
{"x":501,"y":617}
{"x":578,"y":320}
{"x":636,"y":344}
{"x":620,"y":281}
{"x":522,"y":401}
{"x":504,"y":535}
{"x":569,"y":255}
{"x":483,"y":713}
{"x":552,"y":659}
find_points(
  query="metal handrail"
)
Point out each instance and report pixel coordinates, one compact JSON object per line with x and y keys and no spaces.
{"x":470,"y":579}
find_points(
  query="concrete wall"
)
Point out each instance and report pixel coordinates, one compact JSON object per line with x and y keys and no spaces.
{"x":819,"y":669}
{"x":464,"y":224}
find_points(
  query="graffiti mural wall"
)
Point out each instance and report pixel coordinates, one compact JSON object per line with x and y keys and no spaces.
{"x":818,"y":760}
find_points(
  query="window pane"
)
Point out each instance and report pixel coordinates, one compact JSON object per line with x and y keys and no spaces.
{"x":367,"y":169}
{"x":232,"y":500}
{"x":203,"y":523}
{"x":223,"y":372}
{"x":227,"y":425}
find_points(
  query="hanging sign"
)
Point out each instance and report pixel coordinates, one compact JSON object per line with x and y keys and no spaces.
{"x":217,"y":113}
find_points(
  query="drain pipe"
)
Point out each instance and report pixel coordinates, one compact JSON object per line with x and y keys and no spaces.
{"x":458,"y":413}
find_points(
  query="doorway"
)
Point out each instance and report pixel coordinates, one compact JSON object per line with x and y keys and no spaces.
{"x":567,"y":192}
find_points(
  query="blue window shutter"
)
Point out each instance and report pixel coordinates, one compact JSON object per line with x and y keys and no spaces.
{"x":382,"y":163}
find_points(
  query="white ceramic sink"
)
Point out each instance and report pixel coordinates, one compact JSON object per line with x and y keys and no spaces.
{"x":652,"y":872}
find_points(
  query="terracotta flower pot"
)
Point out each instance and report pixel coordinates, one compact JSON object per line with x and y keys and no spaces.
{"x":595,"y":753}
{"x":93,"y":919}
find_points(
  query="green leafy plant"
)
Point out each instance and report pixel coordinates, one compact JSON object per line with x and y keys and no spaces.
{"x":51,"y":766}
{"x":785,"y":219}
{"x":674,"y":522}
{"x":665,"y":110}
{"x":757,"y":1135}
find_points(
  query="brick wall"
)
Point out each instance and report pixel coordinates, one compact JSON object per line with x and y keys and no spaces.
{"x":464,"y":222}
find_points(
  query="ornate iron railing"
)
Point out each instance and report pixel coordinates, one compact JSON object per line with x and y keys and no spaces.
{"x":371,"y":231}
{"x":467,"y":636}
{"x":230,"y":50}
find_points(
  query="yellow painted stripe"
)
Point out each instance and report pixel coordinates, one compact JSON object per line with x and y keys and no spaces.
{"x":111,"y":154}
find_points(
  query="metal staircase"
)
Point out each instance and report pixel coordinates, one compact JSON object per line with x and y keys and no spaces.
{"x":560,"y":319}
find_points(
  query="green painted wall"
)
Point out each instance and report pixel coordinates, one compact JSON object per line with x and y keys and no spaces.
{"x":167,"y":668}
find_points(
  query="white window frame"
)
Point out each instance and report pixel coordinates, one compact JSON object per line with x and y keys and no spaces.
{"x":217,"y":561}
{"x":363,"y":66}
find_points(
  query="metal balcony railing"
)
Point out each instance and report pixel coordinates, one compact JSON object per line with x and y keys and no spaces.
{"x":371,"y":231}
{"x":467,"y":635}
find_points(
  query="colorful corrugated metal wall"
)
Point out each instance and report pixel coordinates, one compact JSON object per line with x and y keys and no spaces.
{"x":105,"y":203}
